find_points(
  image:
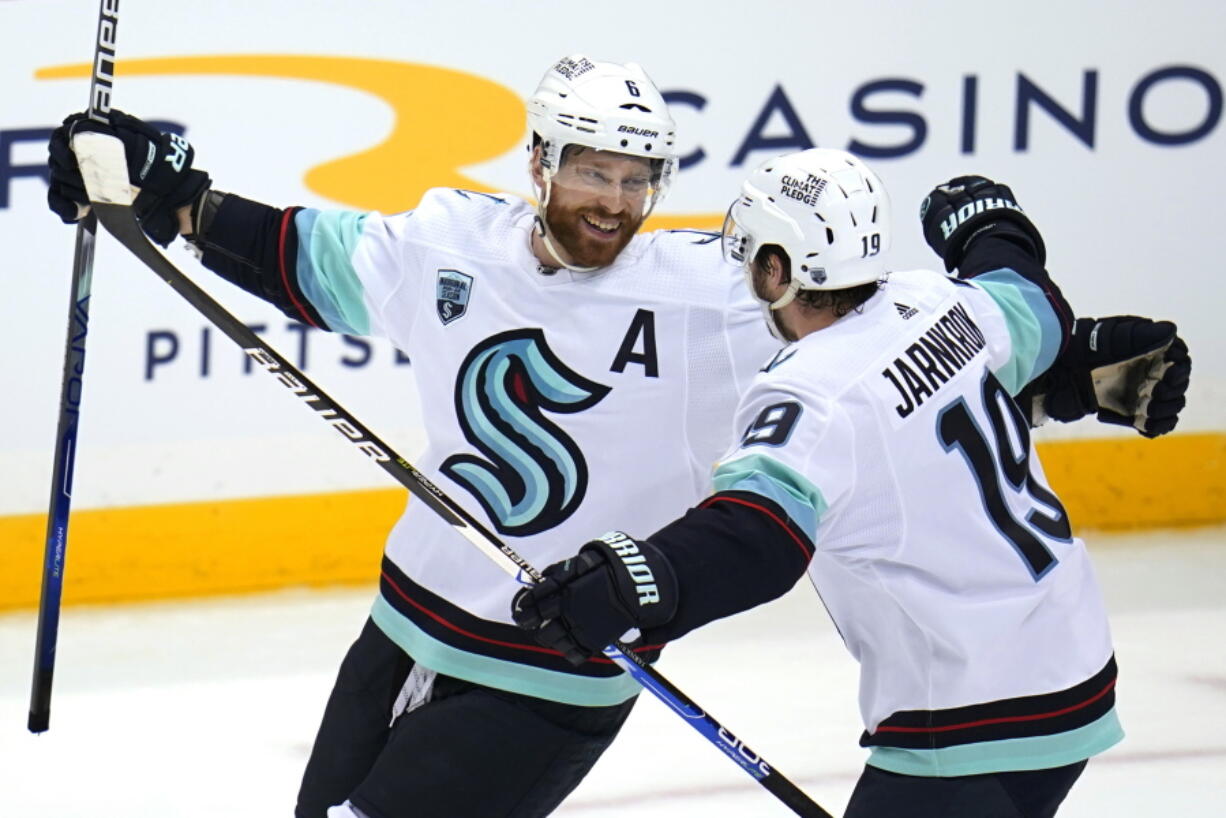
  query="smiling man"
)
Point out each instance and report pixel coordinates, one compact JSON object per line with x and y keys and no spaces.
{"x":595,"y":205}
{"x":570,"y":368}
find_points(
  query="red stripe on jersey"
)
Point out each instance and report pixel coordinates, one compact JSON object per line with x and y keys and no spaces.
{"x":1003,"y":719}
{"x":457,"y":629}
{"x":1066,"y":320}
{"x":799,"y":543}
{"x":306,"y":316}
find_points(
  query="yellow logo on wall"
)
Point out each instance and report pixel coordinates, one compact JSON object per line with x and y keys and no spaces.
{"x":471,"y":119}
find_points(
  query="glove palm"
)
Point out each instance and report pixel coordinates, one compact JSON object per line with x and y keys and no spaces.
{"x":1132,"y":371}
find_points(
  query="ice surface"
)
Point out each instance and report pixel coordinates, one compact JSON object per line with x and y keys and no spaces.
{"x":208,"y":708}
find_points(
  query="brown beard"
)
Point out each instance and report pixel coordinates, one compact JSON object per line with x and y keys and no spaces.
{"x":584,"y":251}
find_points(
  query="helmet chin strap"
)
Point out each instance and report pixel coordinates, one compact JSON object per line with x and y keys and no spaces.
{"x":544,"y":228}
{"x":788,"y":296}
{"x":772,"y":315}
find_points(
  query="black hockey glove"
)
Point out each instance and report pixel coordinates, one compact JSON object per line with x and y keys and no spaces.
{"x":1130,"y":370}
{"x":66,"y":195}
{"x":587,"y":602}
{"x":160,"y":164}
{"x":968,"y":207}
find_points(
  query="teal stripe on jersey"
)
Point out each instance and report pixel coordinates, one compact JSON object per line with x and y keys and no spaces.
{"x":1034,"y":753}
{"x":769,"y":478}
{"x":1032,"y":323}
{"x":499,"y":673}
{"x":327,"y":240}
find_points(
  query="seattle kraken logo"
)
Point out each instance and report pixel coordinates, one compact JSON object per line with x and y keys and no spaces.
{"x":535,"y":476}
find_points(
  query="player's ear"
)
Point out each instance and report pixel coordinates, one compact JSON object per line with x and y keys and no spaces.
{"x":534,"y":167}
{"x":775,"y":270}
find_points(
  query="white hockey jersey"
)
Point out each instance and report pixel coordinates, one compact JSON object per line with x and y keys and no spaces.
{"x":556,"y":405}
{"x":945,"y":561}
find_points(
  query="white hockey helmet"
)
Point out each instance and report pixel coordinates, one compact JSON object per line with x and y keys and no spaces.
{"x":606,"y":106}
{"x":825,"y":208}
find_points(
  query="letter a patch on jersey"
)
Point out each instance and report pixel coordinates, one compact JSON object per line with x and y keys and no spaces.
{"x":453,"y":291}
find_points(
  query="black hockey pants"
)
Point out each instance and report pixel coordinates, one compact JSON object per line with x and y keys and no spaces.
{"x":470,"y":752}
{"x":1029,"y":794}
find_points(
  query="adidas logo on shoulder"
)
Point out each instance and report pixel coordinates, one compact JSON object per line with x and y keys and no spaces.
{"x":905,"y":311}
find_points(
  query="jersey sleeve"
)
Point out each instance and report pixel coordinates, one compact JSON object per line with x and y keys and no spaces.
{"x":794,"y":449}
{"x":350,"y":266}
{"x":1035,"y":315}
{"x":753,"y":538}
{"x":336,"y":270}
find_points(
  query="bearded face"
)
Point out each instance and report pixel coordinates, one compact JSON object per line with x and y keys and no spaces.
{"x":597,"y":202}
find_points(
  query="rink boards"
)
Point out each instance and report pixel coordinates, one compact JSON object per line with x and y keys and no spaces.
{"x":195,"y":549}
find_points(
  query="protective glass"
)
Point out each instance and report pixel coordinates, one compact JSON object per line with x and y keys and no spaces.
{"x":618,"y":182}
{"x":736,"y":242}
{"x":739,"y":248}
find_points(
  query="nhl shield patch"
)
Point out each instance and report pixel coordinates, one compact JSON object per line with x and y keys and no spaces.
{"x":453,"y":291}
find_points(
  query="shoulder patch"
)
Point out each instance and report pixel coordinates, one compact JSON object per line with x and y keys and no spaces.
{"x":452,"y":289}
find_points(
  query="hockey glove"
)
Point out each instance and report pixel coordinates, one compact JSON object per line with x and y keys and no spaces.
{"x":1130,"y":370}
{"x":969,"y":207}
{"x":160,"y":164}
{"x":585,"y":603}
{"x":66,"y":195}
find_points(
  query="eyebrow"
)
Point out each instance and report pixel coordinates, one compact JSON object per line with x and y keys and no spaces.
{"x":644,"y":168}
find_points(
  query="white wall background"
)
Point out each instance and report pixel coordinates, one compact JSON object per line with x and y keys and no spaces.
{"x":1131,"y":226}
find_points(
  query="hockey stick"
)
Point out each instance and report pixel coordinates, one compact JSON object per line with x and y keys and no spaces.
{"x":71,"y":384}
{"x":105,"y":172}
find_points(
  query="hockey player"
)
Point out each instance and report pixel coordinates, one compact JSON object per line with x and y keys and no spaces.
{"x":570,"y":372}
{"x":555,"y":353}
{"x":882,"y":453}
